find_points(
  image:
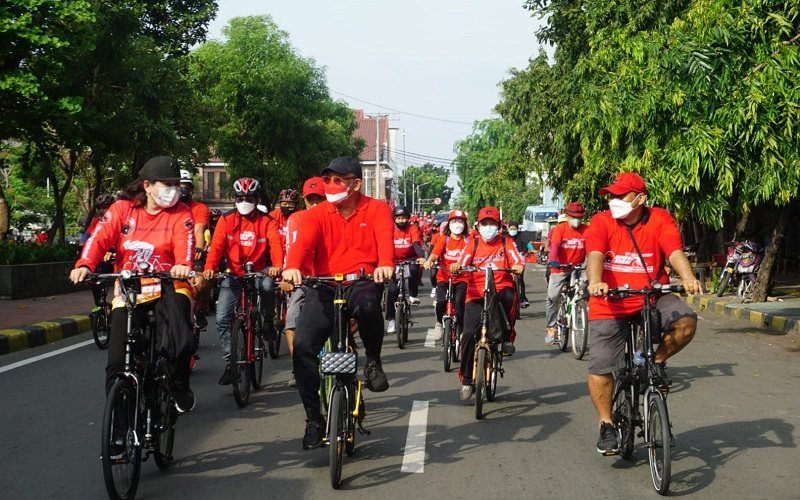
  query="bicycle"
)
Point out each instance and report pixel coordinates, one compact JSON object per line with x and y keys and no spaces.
{"x":572,"y":319}
{"x":101,"y":314}
{"x":281,"y":304}
{"x":650,"y":413}
{"x":451,"y":343}
{"x":401,"y":305}
{"x":488,"y":357}
{"x":345,"y":404}
{"x":140,"y":413}
{"x":247,"y":344}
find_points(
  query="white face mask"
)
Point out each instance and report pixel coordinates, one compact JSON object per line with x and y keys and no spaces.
{"x":245,"y":207}
{"x":575,"y":223}
{"x":620,"y":208}
{"x":488,"y":232}
{"x":167,"y":196}
{"x":456,"y":227}
{"x":512,"y":232}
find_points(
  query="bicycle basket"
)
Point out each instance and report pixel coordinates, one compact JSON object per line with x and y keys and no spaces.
{"x":334,"y":363}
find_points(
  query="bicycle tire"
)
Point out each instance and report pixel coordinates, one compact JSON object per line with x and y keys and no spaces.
{"x":480,"y":383}
{"x":165,"y":427}
{"x":494,"y":373}
{"x":562,"y":325}
{"x":121,"y":476}
{"x":447,"y":325}
{"x":101,"y":326}
{"x":406,"y":323}
{"x":240,"y":367}
{"x":623,"y":418}
{"x":659,"y":451}
{"x":724,"y":281}
{"x":400,"y":321}
{"x":258,"y":365}
{"x":579,"y":333}
{"x":274,"y":346}
{"x":336,"y":436}
{"x":350,"y":427}
{"x":457,"y":349}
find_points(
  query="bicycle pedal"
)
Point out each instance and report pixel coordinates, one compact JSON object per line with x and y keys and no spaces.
{"x":362,"y":430}
{"x":610,"y":453}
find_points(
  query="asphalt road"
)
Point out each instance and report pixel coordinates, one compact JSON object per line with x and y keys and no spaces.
{"x":734,"y":407}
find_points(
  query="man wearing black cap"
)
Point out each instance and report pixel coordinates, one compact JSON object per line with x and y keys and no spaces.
{"x":346,"y":234}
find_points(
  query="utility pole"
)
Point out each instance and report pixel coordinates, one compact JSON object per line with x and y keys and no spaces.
{"x":405,"y":171}
{"x":380,"y":191}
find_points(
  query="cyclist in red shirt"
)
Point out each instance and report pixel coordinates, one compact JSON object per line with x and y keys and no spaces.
{"x":613,"y":260}
{"x":407,"y":245}
{"x":448,"y":250}
{"x":287,"y":205}
{"x":567,"y":247}
{"x":242,"y":236}
{"x":149,"y":226}
{"x":491,"y":250}
{"x":200,"y":214}
{"x":348,"y":233}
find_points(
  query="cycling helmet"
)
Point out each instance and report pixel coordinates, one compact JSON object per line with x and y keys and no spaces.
{"x":245,"y":186}
{"x":186,"y":177}
{"x":104,"y":200}
{"x":400,"y":211}
{"x":290,"y":195}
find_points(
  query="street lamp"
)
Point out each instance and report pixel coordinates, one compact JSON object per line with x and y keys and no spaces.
{"x":419,"y":200}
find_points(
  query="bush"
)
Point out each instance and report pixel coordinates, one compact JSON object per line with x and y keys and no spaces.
{"x":31,"y":253}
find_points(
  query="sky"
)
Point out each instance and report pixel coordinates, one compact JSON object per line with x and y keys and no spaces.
{"x":437,"y":58}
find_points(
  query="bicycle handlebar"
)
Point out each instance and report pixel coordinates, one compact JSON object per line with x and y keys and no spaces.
{"x":473,"y":269}
{"x":127,"y":274}
{"x":655,"y":290}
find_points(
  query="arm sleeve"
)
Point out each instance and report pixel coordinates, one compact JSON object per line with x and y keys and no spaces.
{"x":302,"y":249}
{"x":200,"y":214}
{"x":103,"y":237}
{"x":469,"y":250}
{"x":438,"y":248}
{"x":217,"y":247}
{"x":418,"y":249}
{"x":183,"y":237}
{"x":275,"y":243}
{"x":555,"y":244}
{"x":669,"y":236}
{"x":384,"y":231}
{"x":514,"y":257}
{"x":596,"y":236}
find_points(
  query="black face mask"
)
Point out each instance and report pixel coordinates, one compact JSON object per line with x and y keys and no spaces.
{"x":287,"y":211}
{"x":186,"y":195}
{"x":401,"y":226}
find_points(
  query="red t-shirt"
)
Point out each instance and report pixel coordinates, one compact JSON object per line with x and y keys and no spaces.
{"x":282,"y":223}
{"x":199,"y":212}
{"x":335,"y":244}
{"x":571,"y":245}
{"x":500,"y":252}
{"x":404,"y":240}
{"x":657,"y":236}
{"x":449,"y":250}
{"x":242,"y":239}
{"x":293,"y":225}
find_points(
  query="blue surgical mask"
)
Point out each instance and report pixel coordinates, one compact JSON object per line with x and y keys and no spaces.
{"x":512,"y":232}
{"x":488,"y":232}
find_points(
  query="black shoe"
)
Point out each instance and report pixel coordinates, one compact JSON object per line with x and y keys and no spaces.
{"x":315,"y":430}
{"x":508,"y":349}
{"x":660,"y":374}
{"x":376,"y":379}
{"x":225,"y":378}
{"x":201,"y":321}
{"x":184,"y":399}
{"x":523,"y":304}
{"x":268,"y":333}
{"x":607,"y":443}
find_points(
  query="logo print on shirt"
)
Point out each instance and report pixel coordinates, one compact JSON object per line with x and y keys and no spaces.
{"x":247,"y":238}
{"x":142,"y":250}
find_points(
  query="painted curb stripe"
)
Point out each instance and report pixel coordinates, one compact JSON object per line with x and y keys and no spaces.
{"x":41,"y":333}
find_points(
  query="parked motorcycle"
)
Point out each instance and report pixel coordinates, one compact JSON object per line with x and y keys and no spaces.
{"x":741,"y":268}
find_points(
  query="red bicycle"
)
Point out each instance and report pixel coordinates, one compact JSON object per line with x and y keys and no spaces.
{"x":281,"y":305}
{"x":451,"y":342}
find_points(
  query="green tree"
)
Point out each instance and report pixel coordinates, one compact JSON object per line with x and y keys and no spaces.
{"x":427,"y":182}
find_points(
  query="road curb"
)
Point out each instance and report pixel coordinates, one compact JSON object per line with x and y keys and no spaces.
{"x":778,"y":323}
{"x":43,"y":332}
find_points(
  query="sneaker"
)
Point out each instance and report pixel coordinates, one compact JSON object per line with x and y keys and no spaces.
{"x":437,"y":331}
{"x":376,"y":379}
{"x":550,"y":339}
{"x":660,"y":374}
{"x":524,"y":304}
{"x":466,"y":392}
{"x":414,"y":301}
{"x":116,"y":450}
{"x":225,"y":378}
{"x":292,"y":382}
{"x":184,"y":399}
{"x":392,"y":326}
{"x":508,"y":348}
{"x":433,"y":293}
{"x":315,"y":430}
{"x":607,"y":443}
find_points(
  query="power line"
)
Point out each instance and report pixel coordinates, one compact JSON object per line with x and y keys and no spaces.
{"x":401,"y":112}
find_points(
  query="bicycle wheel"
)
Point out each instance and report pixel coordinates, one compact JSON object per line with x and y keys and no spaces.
{"x":101,"y":325}
{"x":480,"y":383}
{"x":165,"y":425}
{"x":447,"y":346}
{"x":406,"y":323}
{"x":240,"y":367}
{"x":494,"y":374}
{"x":400,"y":314}
{"x":659,"y":449}
{"x":350,"y":422}
{"x":258,"y":365}
{"x":336,"y":436}
{"x":561,"y":324}
{"x":623,"y":418}
{"x":579,"y":329}
{"x":724,"y":281}
{"x":122,"y":460}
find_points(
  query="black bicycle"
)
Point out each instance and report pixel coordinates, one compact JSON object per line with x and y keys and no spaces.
{"x":402,"y":306}
{"x":339,"y":368}
{"x":572,"y":319}
{"x":101,"y":313}
{"x":639,"y":397}
{"x":451,"y":342}
{"x":140,"y":413}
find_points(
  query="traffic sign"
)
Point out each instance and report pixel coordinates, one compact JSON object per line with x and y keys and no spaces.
{"x":437,"y":201}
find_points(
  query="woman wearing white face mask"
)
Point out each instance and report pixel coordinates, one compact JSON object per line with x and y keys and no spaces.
{"x":148,"y":225}
{"x":513,"y":232}
{"x":448,"y":250}
{"x":567,"y":247}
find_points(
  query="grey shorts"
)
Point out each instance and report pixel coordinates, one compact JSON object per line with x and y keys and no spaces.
{"x":294,"y":307}
{"x":607,"y":336}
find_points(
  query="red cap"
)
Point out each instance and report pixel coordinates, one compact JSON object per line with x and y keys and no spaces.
{"x":313,"y":186}
{"x":489,"y":213}
{"x":457,"y":214}
{"x":625,"y":183}
{"x":575,"y":209}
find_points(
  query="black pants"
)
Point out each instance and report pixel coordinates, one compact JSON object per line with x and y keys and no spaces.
{"x":433,"y":278}
{"x":394,"y":289}
{"x":179,"y":367}
{"x":521,"y":287}
{"x":315,"y":325}
{"x":459,"y":295}
{"x":472,"y":324}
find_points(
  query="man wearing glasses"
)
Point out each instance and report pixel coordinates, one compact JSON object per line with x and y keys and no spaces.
{"x":347,"y":233}
{"x":242,"y":236}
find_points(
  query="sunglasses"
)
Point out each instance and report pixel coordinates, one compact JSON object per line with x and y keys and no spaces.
{"x":339,"y":181}
{"x":245,"y":198}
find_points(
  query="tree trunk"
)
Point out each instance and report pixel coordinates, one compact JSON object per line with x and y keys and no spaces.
{"x":766,"y":271}
{"x":741,"y":225}
{"x":5,"y":215}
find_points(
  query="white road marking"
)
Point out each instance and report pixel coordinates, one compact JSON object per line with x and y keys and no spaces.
{"x":414,"y":454}
{"x":34,"y":359}
{"x":429,"y":341}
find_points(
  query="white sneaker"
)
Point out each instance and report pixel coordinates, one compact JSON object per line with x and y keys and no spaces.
{"x":414,"y":301}
{"x":437,"y":331}
{"x":392,"y":327}
{"x":433,"y":293}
